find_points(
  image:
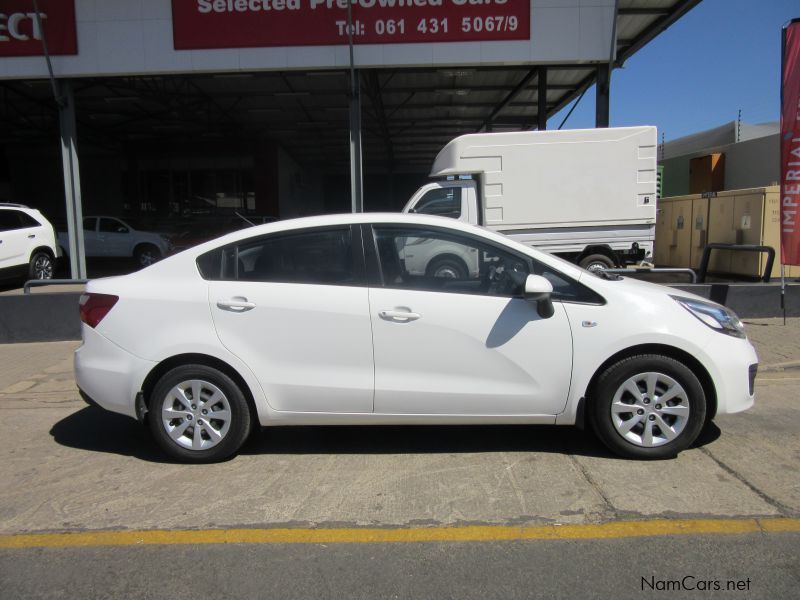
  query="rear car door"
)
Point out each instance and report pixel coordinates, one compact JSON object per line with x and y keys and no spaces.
{"x":17,"y":234}
{"x":90,"y":241}
{"x":294,"y":307}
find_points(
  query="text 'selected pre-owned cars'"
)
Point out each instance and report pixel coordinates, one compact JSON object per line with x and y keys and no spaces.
{"x":352,"y":319}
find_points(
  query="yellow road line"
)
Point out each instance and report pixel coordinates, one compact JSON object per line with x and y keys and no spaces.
{"x":472,"y":533}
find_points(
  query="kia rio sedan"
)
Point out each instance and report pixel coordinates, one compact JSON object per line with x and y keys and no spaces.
{"x":320,"y":321}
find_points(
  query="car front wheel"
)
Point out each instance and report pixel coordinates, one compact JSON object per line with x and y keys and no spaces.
{"x":198,"y":414}
{"x":648,"y":406}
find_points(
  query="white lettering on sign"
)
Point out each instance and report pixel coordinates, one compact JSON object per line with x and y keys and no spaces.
{"x":223,"y":6}
{"x":791,"y":192}
{"x":15,"y":26}
{"x":230,"y":6}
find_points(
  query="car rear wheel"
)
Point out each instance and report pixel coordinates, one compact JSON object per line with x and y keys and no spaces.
{"x":198,"y":414}
{"x":648,"y":406}
{"x":146,"y":255}
{"x":41,"y":265}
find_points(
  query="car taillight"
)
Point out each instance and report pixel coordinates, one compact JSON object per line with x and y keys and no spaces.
{"x":94,"y":307}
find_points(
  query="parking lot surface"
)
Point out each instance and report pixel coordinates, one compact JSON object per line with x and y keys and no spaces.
{"x":70,"y":466}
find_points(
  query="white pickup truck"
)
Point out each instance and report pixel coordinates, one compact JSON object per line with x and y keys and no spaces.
{"x":588,"y":195}
{"x":105,"y":236}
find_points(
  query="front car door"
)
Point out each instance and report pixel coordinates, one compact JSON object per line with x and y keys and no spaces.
{"x":462,"y":342}
{"x":114,"y":237}
{"x":294,"y":307}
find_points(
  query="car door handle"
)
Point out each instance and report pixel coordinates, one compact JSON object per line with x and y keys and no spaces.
{"x":398,"y":315}
{"x":236,"y":305}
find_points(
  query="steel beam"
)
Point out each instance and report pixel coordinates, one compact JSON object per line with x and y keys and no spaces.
{"x":602,"y":101}
{"x":356,"y":161}
{"x":541,"y":100}
{"x":72,"y":181}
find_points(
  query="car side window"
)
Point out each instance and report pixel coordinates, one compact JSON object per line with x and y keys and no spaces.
{"x":27,"y":221}
{"x":14,"y":219}
{"x":444,"y":202}
{"x":566,"y":289}
{"x":112,"y":226}
{"x":8,"y":220}
{"x":89,"y":223}
{"x":322,"y":257}
{"x":442,"y":261}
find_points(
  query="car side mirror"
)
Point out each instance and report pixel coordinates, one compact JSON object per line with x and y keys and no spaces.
{"x":538,"y":289}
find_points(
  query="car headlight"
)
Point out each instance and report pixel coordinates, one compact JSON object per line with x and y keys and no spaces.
{"x":715,"y":316}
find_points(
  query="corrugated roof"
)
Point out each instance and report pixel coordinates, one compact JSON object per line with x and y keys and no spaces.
{"x":408,"y":114}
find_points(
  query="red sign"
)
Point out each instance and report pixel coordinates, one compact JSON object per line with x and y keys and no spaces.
{"x":203,"y":24}
{"x":21,"y":33}
{"x":790,"y":145}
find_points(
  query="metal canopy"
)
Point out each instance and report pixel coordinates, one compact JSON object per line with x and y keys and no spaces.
{"x":408,"y":114}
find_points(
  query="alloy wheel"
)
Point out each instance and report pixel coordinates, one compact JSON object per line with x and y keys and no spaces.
{"x":43,"y":267}
{"x":196,"y":414}
{"x":650,"y":409}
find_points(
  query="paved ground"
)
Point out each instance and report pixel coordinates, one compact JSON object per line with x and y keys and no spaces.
{"x":69,"y":467}
{"x":754,"y":566}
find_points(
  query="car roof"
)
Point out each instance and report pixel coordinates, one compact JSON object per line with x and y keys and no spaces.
{"x":354,"y":219}
{"x":368,"y":217}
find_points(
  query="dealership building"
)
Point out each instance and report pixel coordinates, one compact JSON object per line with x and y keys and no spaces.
{"x":159,"y":109}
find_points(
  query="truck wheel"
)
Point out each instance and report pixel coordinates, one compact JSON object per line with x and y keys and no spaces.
{"x":146,"y":255}
{"x":447,"y":268}
{"x":596,"y":262}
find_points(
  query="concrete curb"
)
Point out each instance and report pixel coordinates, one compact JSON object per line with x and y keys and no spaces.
{"x":778,"y":367}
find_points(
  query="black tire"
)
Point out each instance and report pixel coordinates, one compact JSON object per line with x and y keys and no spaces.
{"x":146,"y":255}
{"x":232,"y":437}
{"x":447,"y":267}
{"x":685,"y":429}
{"x":42,"y":265}
{"x":595,"y":262}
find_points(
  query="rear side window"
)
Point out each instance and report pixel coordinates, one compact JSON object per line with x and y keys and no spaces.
{"x":14,"y":219}
{"x":322,"y":257}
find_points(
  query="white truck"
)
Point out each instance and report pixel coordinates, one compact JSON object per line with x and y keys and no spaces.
{"x":587,"y":195}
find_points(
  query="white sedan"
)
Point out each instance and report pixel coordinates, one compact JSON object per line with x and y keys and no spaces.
{"x":318,"y":321}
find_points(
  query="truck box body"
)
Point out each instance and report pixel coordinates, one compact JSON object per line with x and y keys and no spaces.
{"x":562,"y":191}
